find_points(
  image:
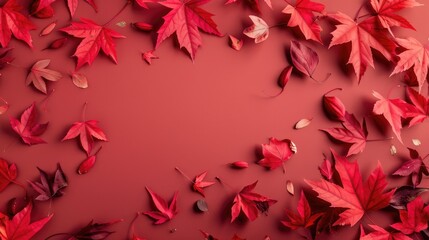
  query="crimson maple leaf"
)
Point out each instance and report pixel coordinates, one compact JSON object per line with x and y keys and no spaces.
{"x":184,"y":19}
{"x":42,"y":5}
{"x":304,"y":218}
{"x":87,"y":131}
{"x":421,"y":104}
{"x":351,"y":132}
{"x":95,"y":37}
{"x":19,"y":227}
{"x":14,"y":23}
{"x":277,"y":152}
{"x":356,"y":196}
{"x":72,"y":5}
{"x":414,"y":167}
{"x":380,"y":233}
{"x":363,"y":36}
{"x":50,"y":186}
{"x":393,"y":111}
{"x":39,"y":73}
{"x":302,"y":16}
{"x":199,"y":184}
{"x":415,"y":56}
{"x":8,"y":173}
{"x":27,"y":128}
{"x":164,"y":212}
{"x":386,"y":12}
{"x":414,"y":219}
{"x":250,"y":203}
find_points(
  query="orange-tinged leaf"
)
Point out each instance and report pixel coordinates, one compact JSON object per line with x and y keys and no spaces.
{"x":363,"y":36}
{"x":415,"y":56}
{"x":80,"y":80}
{"x":95,"y":38}
{"x":302,"y":16}
{"x":184,"y":19}
{"x":39,"y":73}
{"x":258,"y":31}
{"x":289,"y":187}
{"x":357,"y":196}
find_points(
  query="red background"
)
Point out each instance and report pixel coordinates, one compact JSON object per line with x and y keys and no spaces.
{"x":197,"y":116}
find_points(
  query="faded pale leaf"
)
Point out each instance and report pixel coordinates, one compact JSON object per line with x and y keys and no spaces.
{"x":48,"y":29}
{"x":236,"y":43}
{"x":259,"y":30}
{"x":80,"y":80}
{"x":290,"y":188}
{"x":303,"y":123}
{"x":416,"y":142}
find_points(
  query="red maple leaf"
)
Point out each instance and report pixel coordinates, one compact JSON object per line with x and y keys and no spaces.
{"x":414,"y":167}
{"x":277,"y":152}
{"x":14,"y":22}
{"x":39,"y":73}
{"x":27,"y":128}
{"x":386,"y":12}
{"x":363,"y":36}
{"x":8,"y":173}
{"x":184,"y":19}
{"x":72,"y":5}
{"x":380,"y":233}
{"x":164,"y":212}
{"x":421,"y":104}
{"x":19,"y":227}
{"x":304,"y":218}
{"x":415,"y":56}
{"x":87,"y":131}
{"x":414,"y":219}
{"x":302,"y":16}
{"x":95,"y":37}
{"x":250,"y":203}
{"x":43,"y":5}
{"x":393,"y":111}
{"x":356,"y":196}
{"x":351,"y":132}
{"x":199,"y":184}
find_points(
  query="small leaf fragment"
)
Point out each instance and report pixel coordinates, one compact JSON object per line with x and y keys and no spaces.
{"x":290,"y":188}
{"x":201,"y":205}
{"x":142,"y":26}
{"x":121,"y":24}
{"x":285,"y":76}
{"x":303,"y":123}
{"x":148,"y":56}
{"x":57,"y":43}
{"x":416,"y":142}
{"x":393,"y":150}
{"x":48,"y":29}
{"x":236,"y":43}
{"x":80,"y":80}
{"x":240,"y":164}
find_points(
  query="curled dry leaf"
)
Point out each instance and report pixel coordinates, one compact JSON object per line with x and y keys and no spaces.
{"x":88,"y":163}
{"x":303,"y":58}
{"x":80,"y":80}
{"x":48,"y":29}
{"x":39,"y":73}
{"x":285,"y":77}
{"x":289,"y":187}
{"x":303,"y":123}
{"x":142,"y":26}
{"x":259,"y":30}
{"x":201,"y":205}
{"x":240,"y":164}
{"x":235,"y":43}
{"x":334,"y":107}
{"x":416,"y":142}
{"x":405,"y":194}
{"x":57,"y":43}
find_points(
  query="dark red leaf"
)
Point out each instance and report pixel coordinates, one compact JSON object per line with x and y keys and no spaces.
{"x":414,"y":167}
{"x":405,"y":194}
{"x":94,"y":231}
{"x":50,"y":186}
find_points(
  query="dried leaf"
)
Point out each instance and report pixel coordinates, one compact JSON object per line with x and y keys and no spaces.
{"x":259,"y":30}
{"x":80,"y":80}
{"x":289,"y":187}
{"x":303,"y":123}
{"x":416,"y":142}
{"x":39,"y":73}
{"x":121,"y":24}
{"x":240,"y":164}
{"x":48,"y":29}
{"x":393,"y":150}
{"x":50,"y":186}
{"x":235,"y":43}
{"x":201,"y":205}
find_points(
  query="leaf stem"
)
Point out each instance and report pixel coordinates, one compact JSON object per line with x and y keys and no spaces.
{"x":119,"y":12}
{"x":98,"y":150}
{"x":379,"y":140}
{"x":223,"y":182}
{"x":332,"y":91}
{"x":58,"y":234}
{"x":358,"y":11}
{"x":84,"y":111}
{"x":183,"y":174}
{"x":46,"y":100}
{"x":132,"y":231}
